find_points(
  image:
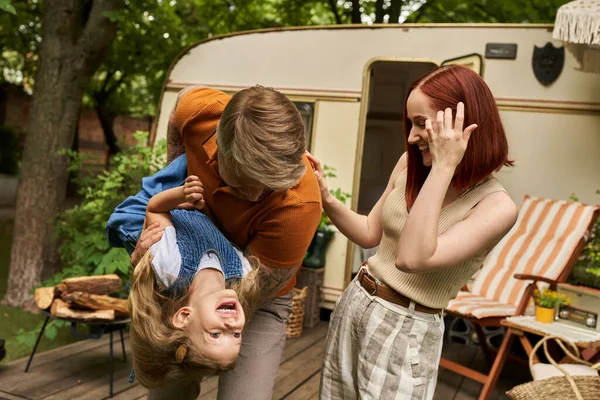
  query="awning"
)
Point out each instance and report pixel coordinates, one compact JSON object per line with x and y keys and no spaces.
{"x":577,"y":25}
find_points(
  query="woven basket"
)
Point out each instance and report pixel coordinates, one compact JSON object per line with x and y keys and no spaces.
{"x":559,"y":387}
{"x":294,"y":326}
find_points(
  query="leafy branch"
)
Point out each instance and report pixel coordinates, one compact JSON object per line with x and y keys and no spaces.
{"x":329,"y":172}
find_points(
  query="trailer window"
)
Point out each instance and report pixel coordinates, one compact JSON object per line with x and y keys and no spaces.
{"x":307,"y":111}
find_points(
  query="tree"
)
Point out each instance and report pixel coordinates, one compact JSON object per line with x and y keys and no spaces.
{"x":475,"y":11}
{"x":20,"y":36}
{"x":149,"y":36}
{"x":76,"y":36}
{"x":146,"y":35}
{"x":6,"y":5}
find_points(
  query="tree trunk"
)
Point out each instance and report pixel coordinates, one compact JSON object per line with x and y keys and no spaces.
{"x":334,"y":10}
{"x":356,"y":14}
{"x":107,"y":121}
{"x":72,"y":48}
{"x":379,"y":12}
{"x":3,"y":97}
{"x":395,"y":9}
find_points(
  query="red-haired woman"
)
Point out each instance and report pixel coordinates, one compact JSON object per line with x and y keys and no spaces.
{"x":441,"y":213}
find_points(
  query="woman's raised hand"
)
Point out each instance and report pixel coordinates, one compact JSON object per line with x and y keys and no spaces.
{"x":447,"y":140}
{"x":318,"y":170}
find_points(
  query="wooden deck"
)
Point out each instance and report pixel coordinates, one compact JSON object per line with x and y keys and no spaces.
{"x":81,"y":371}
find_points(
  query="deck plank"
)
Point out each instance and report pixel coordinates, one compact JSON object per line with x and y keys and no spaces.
{"x":449,"y":383}
{"x":308,"y":390}
{"x":80,"y":371}
{"x":60,"y":374}
{"x":293,"y":347}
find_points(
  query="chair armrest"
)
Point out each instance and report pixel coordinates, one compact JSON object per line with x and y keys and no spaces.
{"x":535,"y":278}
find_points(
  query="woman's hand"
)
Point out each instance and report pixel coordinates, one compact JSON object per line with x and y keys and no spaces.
{"x":447,"y":141}
{"x":194,"y":191}
{"x":149,"y":236}
{"x":318,"y":170}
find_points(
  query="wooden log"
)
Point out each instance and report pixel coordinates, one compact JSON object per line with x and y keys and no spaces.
{"x":59,"y":290}
{"x":97,"y":302}
{"x":102,"y":284}
{"x":43,"y":297}
{"x":60,"y":309}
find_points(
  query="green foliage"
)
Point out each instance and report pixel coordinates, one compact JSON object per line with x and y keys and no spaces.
{"x":28,"y":337}
{"x":590,"y":256}
{"x":491,"y":11}
{"x":329,"y":172}
{"x":28,"y":325}
{"x":151,"y":33}
{"x":84,"y":249}
{"x":550,"y":299}
{"x":10,"y":151}
{"x":20,"y":35}
{"x":7,"y":6}
{"x":587,"y":268}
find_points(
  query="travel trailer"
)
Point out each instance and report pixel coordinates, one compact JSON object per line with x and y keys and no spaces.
{"x":349,"y":83}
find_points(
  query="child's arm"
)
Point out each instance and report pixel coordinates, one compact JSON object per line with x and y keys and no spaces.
{"x":161,"y":204}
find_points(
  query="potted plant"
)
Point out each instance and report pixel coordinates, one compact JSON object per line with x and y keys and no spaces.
{"x":586,"y":271}
{"x":315,"y":255}
{"x":546,"y":303}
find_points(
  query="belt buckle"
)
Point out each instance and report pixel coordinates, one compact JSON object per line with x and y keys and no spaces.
{"x":376,"y":283}
{"x":366,"y":274}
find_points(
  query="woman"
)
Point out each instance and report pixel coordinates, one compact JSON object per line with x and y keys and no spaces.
{"x":441,"y":213}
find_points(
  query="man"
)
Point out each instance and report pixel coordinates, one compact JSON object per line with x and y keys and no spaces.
{"x":260,"y":191}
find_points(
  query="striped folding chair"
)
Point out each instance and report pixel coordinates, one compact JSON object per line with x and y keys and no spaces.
{"x":542,"y":247}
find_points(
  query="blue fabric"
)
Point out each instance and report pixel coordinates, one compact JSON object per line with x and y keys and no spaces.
{"x":125,"y":224}
{"x":197,"y":235}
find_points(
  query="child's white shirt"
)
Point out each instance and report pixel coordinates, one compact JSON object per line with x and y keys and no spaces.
{"x":166,"y":258}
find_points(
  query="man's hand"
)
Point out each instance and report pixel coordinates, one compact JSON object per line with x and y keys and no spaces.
{"x":149,"y":236}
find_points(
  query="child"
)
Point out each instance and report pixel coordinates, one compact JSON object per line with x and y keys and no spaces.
{"x":185,"y":322}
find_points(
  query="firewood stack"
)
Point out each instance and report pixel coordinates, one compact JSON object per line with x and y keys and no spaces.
{"x":85,"y":298}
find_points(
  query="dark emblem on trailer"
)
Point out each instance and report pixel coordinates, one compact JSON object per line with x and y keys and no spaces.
{"x":548,"y":63}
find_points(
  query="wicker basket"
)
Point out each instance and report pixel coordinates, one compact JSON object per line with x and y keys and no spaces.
{"x":294,"y":326}
{"x":313,"y":279}
{"x":559,"y":387}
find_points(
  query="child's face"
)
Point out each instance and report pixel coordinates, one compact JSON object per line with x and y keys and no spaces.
{"x":217,"y":324}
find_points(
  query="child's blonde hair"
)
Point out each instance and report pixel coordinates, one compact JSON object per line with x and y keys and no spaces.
{"x":154,"y":339}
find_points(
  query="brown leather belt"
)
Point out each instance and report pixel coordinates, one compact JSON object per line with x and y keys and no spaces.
{"x":379,"y":289}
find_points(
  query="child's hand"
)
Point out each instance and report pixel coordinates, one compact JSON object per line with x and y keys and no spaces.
{"x":194,"y":191}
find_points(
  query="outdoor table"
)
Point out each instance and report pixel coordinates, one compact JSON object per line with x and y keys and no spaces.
{"x":586,"y":339}
{"x":97,"y":329}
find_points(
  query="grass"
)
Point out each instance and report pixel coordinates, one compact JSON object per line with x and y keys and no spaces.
{"x":12,"y":318}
